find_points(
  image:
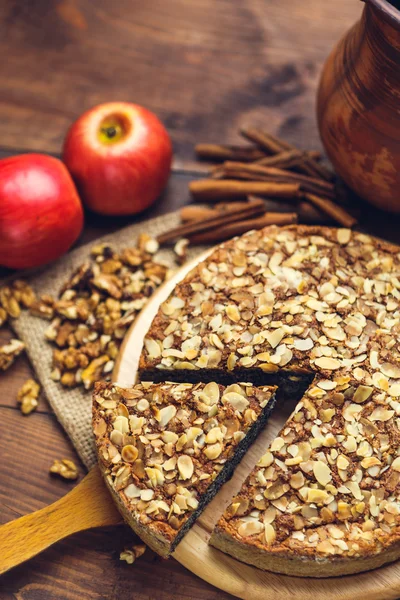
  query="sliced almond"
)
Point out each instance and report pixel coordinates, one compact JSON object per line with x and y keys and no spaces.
{"x":269,"y":515}
{"x":381,"y":414}
{"x":269,"y":533}
{"x":317,"y":496}
{"x":297,"y":480}
{"x":214,"y":435}
{"x":185,"y":466}
{"x":132,"y":491}
{"x":249,"y":528}
{"x":266,"y":460}
{"x":343,"y":236}
{"x":237,"y":401}
{"x":275,"y":337}
{"x":362,"y":393}
{"x":147,"y":495}
{"x":390,"y":370}
{"x":325,"y":362}
{"x":276,"y":490}
{"x":233,"y":313}
{"x":213,"y":451}
{"x":322,"y":472}
{"x":342,"y":462}
{"x":211,"y":390}
{"x":165,"y":415}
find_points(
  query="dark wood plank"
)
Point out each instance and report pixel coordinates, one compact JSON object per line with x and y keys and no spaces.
{"x":12,"y":379}
{"x":204,"y":67}
{"x":28,"y":447}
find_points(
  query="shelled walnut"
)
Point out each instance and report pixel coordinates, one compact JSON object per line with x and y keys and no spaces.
{"x":180,"y":250}
{"x":129,"y":555}
{"x":28,"y":395}
{"x":65,"y":468}
{"x":95,"y":308}
{"x":9,"y":352}
{"x":13,"y":297}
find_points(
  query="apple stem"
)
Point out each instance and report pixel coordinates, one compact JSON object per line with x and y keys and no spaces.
{"x":110,"y":132}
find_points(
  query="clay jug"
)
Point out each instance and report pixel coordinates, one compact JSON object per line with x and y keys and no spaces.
{"x":359,"y":106}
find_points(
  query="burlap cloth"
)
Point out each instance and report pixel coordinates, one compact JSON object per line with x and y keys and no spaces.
{"x":73,"y":407}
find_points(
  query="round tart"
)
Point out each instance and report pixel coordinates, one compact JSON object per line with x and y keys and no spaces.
{"x":316,"y":311}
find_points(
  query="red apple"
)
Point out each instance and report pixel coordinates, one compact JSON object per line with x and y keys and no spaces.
{"x":41,"y":215}
{"x":119,"y":155}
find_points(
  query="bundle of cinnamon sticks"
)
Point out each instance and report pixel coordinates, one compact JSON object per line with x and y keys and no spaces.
{"x":246,"y":176}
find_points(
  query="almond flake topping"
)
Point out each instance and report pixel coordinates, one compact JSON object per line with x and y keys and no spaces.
{"x":322,"y":472}
{"x":161,"y":446}
{"x":325,"y":362}
{"x":185,"y":466}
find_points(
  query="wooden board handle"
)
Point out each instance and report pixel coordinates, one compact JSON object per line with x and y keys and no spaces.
{"x":88,"y":505}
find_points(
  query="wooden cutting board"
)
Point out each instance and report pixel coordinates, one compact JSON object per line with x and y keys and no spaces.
{"x":220,"y":569}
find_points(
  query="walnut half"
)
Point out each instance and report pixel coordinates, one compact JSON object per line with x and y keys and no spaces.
{"x":9,"y":352}
{"x":27,"y":396}
{"x":129,"y":555}
{"x":65,"y":468}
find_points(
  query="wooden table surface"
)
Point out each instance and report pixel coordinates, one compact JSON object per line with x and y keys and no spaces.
{"x":205,"y":67}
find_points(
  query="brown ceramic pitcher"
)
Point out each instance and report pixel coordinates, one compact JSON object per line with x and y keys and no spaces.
{"x":359,"y":106}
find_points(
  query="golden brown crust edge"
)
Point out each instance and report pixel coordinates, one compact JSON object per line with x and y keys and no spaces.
{"x":297,"y":566}
{"x":151,"y":538}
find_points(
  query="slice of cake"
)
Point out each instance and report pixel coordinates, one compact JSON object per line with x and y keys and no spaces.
{"x":324,"y":500}
{"x":165,"y":449}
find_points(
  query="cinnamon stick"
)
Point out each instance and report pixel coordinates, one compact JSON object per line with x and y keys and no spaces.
{"x":193,"y":212}
{"x":239,"y":173}
{"x":274,"y":145}
{"x":265,"y":141}
{"x":196,"y":213}
{"x":310,"y":214}
{"x":233,"y":172}
{"x":238,"y":228}
{"x":337,"y":213}
{"x":220,"y":152}
{"x":311,"y":166}
{"x":210,"y":190}
{"x":251,"y":210}
{"x":259,"y":172}
{"x":306,"y":212}
{"x":288,"y":159}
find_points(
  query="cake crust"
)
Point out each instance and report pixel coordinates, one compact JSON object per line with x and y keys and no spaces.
{"x":299,"y":565}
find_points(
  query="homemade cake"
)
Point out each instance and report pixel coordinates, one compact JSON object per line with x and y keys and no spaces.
{"x":165,"y":449}
{"x":289,"y":306}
